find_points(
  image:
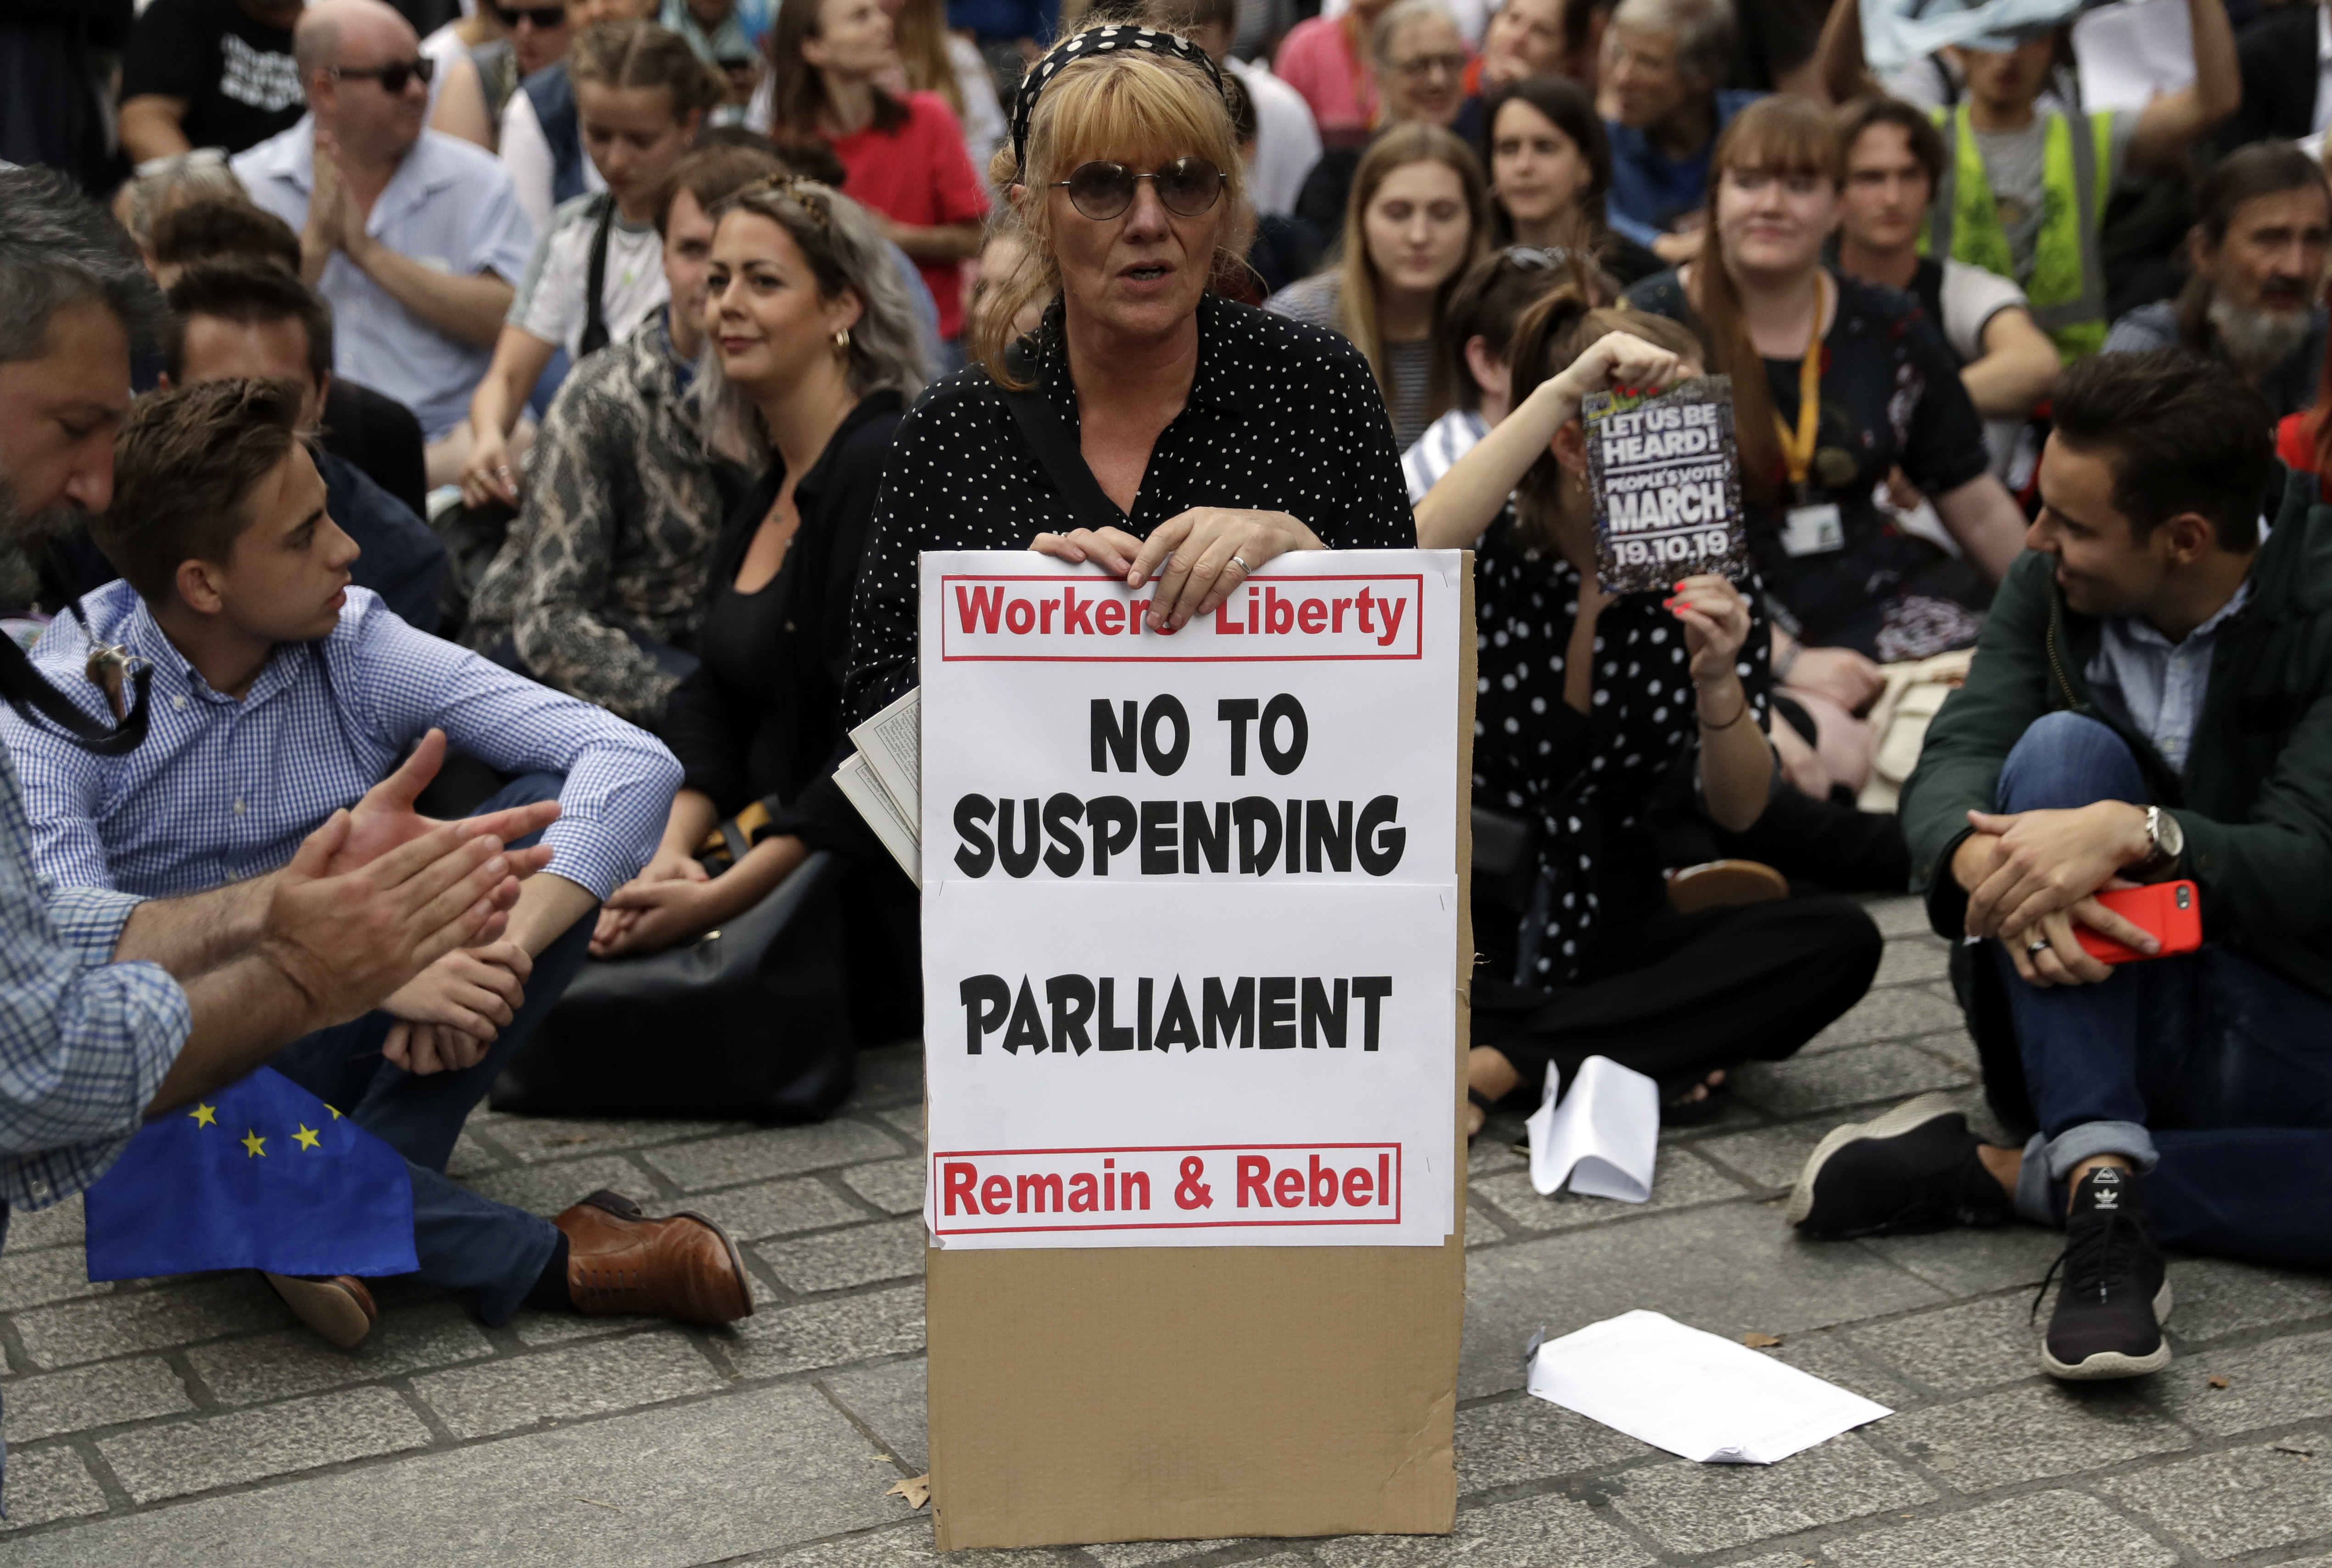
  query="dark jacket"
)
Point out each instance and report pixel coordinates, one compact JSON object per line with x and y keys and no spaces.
{"x":2256,"y":800}
{"x":2277,"y":57}
{"x":380,"y":435}
{"x":403,"y":561}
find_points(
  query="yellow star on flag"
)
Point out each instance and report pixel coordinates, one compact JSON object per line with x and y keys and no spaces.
{"x":255,"y":1144}
{"x":335,"y":1110}
{"x":307,"y":1138}
{"x":204,"y":1116}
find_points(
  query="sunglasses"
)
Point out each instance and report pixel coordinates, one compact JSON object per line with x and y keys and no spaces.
{"x":544,"y":17}
{"x":1186,"y":186}
{"x":392,"y":77}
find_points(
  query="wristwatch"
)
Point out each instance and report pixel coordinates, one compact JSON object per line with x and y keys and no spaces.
{"x":2165,"y":841}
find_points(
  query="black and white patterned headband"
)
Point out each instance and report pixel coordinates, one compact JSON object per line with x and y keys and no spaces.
{"x":1094,"y":41}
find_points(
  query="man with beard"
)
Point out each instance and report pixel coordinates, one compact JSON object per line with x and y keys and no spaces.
{"x":2151,"y":704}
{"x":2256,"y":299}
{"x":115,"y":1009}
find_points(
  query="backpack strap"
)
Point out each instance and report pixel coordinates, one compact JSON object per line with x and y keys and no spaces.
{"x":1048,"y":438}
{"x":595,"y":316}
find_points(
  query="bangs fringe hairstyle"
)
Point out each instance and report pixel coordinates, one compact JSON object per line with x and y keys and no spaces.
{"x":1548,"y":340}
{"x":1405,"y":144}
{"x":847,"y":253}
{"x":1126,"y":105}
{"x":1782,"y":136}
{"x":797,"y":88}
{"x":640,"y":54}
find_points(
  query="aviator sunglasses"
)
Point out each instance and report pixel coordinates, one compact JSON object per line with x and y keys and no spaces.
{"x":544,"y":17}
{"x":1186,"y":186}
{"x":392,"y":77}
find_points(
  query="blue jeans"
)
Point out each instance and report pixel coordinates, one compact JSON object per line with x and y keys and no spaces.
{"x":2208,"y":1071}
{"x":487,"y":1252}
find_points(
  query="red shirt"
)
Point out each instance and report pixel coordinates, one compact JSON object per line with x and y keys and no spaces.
{"x":919,"y":174}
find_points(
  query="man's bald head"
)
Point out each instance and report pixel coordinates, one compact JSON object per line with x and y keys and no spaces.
{"x":344,"y":31}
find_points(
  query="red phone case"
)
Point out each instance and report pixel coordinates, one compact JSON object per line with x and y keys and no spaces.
{"x":2172,"y":911}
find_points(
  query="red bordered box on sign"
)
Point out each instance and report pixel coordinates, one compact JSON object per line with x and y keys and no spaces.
{"x":1273,"y":618}
{"x":1165,"y":1187}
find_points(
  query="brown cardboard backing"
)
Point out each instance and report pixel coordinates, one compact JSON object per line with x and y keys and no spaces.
{"x":1165,"y":1393}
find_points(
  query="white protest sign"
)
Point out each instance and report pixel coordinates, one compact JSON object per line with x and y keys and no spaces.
{"x":1191,"y":905}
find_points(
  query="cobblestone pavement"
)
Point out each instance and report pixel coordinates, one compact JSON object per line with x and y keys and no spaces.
{"x":192,"y":1422}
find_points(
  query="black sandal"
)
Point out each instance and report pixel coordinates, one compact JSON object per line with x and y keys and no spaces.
{"x":1678,"y":1108}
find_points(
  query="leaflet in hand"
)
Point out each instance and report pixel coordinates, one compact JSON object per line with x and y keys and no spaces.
{"x":884,"y":779}
{"x":1665,"y":478}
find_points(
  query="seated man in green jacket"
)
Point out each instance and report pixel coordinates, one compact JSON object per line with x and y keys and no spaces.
{"x":2152,"y":700}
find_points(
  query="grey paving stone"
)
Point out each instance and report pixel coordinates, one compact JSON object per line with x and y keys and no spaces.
{"x":2034,"y":1431}
{"x":1481,"y":1230}
{"x":750,"y":1473}
{"x":1540,"y":1532}
{"x":37,"y":1278}
{"x":1727,"y":1268}
{"x":777,"y":1152}
{"x":823,"y":1334}
{"x":909,"y":1545}
{"x":550,"y":1189}
{"x":2268,"y":1385}
{"x":1142,"y":1554}
{"x":58,"y":1225}
{"x":1889,"y":1014}
{"x":46,"y":1485}
{"x":2039,"y":1530}
{"x":1679,"y":1180}
{"x":1913,"y":958}
{"x":471,"y":1159}
{"x":534,"y":1138}
{"x":2238,"y":1500}
{"x":294,"y":1360}
{"x":1829,"y":1355}
{"x":536,"y":1329}
{"x":1975,"y":1262}
{"x":894,"y":1186}
{"x":890,"y":1400}
{"x":88,"y":1397}
{"x":184,"y":1456}
{"x":1529,"y":1440}
{"x":1690,"y":1507}
{"x":771,"y":1208}
{"x":839,"y":1259}
{"x":1768,"y":1157}
{"x":889,"y":1075}
{"x":2217,"y":1297}
{"x":1855,"y":1075}
{"x":1899,"y":914}
{"x":130,"y":1321}
{"x":558,"y":1385}
{"x":1976,"y":1344}
{"x":907,"y":1120}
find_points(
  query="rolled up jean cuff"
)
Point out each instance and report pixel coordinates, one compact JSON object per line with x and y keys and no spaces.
{"x":2040,"y":1181}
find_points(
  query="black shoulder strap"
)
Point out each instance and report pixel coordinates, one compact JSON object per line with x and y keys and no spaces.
{"x":1041,"y":427}
{"x":595,"y":318}
{"x":29,"y":693}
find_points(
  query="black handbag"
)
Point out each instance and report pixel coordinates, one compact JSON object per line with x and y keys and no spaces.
{"x":748,"y":1021}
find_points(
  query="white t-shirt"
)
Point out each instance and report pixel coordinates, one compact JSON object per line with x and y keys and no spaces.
{"x":984,"y":129}
{"x":1286,"y":137}
{"x":526,"y":153}
{"x":1972,"y":297}
{"x":551,"y":303}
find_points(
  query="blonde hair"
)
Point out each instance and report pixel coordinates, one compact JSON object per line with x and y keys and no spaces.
{"x":920,"y":35}
{"x":639,"y":54}
{"x":1119,"y":105}
{"x":1402,"y":145}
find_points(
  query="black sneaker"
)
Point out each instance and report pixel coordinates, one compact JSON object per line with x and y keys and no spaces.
{"x":2109,"y":1318}
{"x":1914,"y":1169}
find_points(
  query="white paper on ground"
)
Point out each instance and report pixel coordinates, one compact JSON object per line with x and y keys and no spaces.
{"x":2132,"y":53}
{"x":1604,"y":1135}
{"x":1709,"y":1400}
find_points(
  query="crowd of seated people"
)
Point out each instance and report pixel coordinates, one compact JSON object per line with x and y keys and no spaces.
{"x":584,"y":333}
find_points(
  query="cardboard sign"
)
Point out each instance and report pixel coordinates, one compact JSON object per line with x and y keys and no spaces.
{"x":1240,"y":1317}
{"x":1665,"y":482}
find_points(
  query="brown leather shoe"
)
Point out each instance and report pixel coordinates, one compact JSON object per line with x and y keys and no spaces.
{"x":618,"y":1260}
{"x":1724,"y":882}
{"x":337,"y":1306}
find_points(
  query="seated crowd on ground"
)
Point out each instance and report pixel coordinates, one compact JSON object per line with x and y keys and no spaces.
{"x":549,"y":409}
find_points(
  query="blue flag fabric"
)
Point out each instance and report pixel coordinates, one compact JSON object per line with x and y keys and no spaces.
{"x":261,"y":1175}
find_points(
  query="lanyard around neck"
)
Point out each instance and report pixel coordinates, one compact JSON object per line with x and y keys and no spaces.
{"x":1798,"y":446}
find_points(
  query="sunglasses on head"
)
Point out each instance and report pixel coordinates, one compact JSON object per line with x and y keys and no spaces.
{"x":392,"y":77}
{"x":544,"y":17}
{"x":1186,"y":186}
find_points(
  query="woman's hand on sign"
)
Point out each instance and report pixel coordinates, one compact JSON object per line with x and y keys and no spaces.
{"x":1620,"y":359}
{"x":1715,"y":624}
{"x":1201,"y":557}
{"x":1110,"y":549}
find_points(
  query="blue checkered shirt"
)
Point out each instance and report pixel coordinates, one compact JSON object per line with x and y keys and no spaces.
{"x":223,"y":789}
{"x":83,"y":1042}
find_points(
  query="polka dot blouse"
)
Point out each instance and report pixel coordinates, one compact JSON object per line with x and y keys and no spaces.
{"x":1281,"y":417}
{"x":1595,"y":784}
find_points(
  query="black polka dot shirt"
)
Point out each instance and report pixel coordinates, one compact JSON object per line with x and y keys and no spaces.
{"x":1281,"y":417}
{"x":1596,"y":784}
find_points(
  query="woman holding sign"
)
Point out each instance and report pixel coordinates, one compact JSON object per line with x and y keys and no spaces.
{"x":1148,"y":426}
{"x":1599,"y":716}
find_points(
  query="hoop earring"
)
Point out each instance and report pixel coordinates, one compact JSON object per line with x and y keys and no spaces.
{"x":842,"y":341}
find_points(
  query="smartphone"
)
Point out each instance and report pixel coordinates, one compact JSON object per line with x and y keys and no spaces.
{"x":2170,"y":910}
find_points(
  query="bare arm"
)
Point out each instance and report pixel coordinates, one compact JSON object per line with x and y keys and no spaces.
{"x":520,"y":357}
{"x":2172,"y":122}
{"x":462,"y":105}
{"x":194,"y":935}
{"x":1838,"y":63}
{"x":471,"y":308}
{"x":1986,"y":520}
{"x":2018,"y":366}
{"x":937,"y":242}
{"x":154,"y":127}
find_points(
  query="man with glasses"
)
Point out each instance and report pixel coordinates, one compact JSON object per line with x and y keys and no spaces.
{"x":412,"y":236}
{"x":1663,"y":61}
{"x":208,"y":73}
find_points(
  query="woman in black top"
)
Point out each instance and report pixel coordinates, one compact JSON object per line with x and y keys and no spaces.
{"x":1220,"y":437}
{"x":1601,"y":719}
{"x":817,"y":350}
{"x":1550,"y":167}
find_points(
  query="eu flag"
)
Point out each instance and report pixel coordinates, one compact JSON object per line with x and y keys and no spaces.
{"x":261,"y":1175}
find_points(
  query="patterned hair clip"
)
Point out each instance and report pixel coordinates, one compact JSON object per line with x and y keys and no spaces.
{"x":806,"y":194}
{"x":1106,"y":40}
